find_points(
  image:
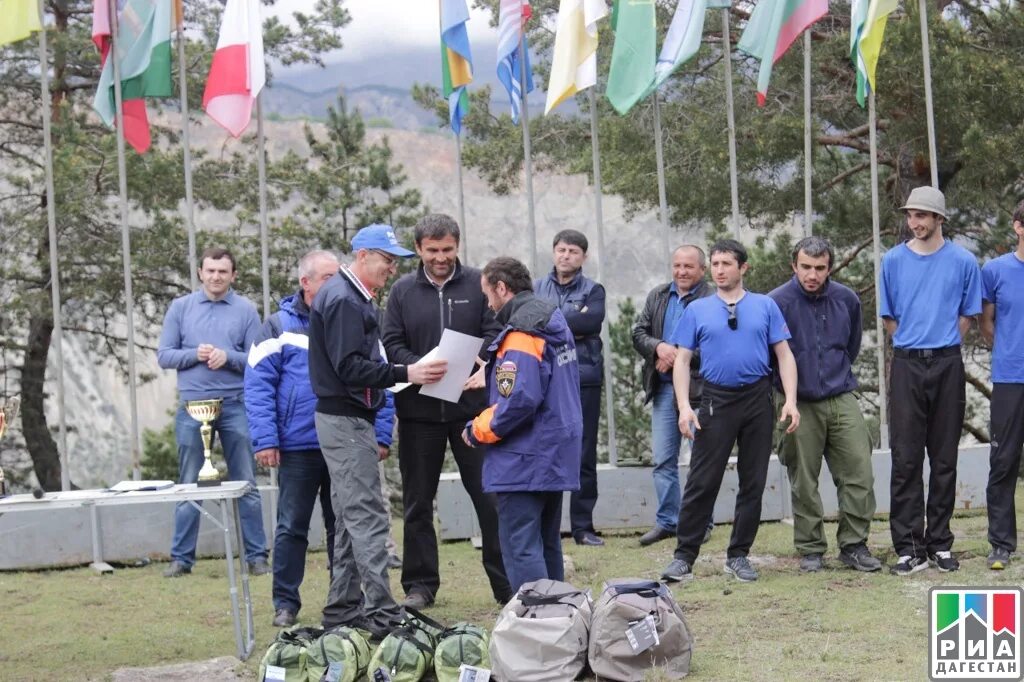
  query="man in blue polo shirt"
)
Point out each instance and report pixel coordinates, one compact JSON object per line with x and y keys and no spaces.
{"x":733,"y":330}
{"x":931,"y":289}
{"x":206,"y":338}
{"x":1002,"y":323}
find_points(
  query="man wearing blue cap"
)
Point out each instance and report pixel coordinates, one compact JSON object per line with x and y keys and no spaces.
{"x":349,"y":376}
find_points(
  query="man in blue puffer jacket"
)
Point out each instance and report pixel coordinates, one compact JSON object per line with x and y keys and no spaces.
{"x":533,"y":427}
{"x":280,"y":403}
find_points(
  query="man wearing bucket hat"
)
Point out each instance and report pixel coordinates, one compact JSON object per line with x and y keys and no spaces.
{"x":931,"y":290}
{"x":348,"y":377}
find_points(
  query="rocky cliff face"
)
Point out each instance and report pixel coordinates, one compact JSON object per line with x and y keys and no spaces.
{"x":97,"y":403}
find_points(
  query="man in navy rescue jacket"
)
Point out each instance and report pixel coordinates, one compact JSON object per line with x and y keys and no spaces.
{"x":533,"y":427}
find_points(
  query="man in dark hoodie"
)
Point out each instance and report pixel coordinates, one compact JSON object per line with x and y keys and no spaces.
{"x":533,"y":427}
{"x":441,"y":294}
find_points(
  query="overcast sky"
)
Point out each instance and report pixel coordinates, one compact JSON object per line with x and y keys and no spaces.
{"x":377,"y":25}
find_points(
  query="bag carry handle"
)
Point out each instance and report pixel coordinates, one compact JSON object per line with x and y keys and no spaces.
{"x":297,"y":635}
{"x":425,"y":619}
{"x":535,"y":599}
{"x":646,"y":588}
{"x":406,"y":634}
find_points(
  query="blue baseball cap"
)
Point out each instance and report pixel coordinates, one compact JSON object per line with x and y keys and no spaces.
{"x":381,"y":238}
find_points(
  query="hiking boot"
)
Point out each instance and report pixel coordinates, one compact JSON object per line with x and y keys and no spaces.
{"x":259,"y":567}
{"x":587,"y":538}
{"x":908,"y":565}
{"x":945,"y":562}
{"x":811,"y":563}
{"x":998,"y":558}
{"x":177,"y":569}
{"x":372,"y":633}
{"x":656,"y":534}
{"x":677,"y":571}
{"x":283,"y":618}
{"x":739,"y":567}
{"x":417,"y":601}
{"x":859,"y":558}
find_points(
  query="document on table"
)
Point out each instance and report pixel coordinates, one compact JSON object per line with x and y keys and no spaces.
{"x":431,"y":355}
{"x":135,"y":486}
{"x":460,"y":350}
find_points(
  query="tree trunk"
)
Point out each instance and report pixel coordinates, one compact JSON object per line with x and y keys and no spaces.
{"x":41,"y":446}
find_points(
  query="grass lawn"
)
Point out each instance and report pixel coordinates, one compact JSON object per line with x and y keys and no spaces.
{"x":835,"y":625}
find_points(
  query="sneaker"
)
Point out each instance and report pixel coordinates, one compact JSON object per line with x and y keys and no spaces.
{"x":908,"y":565}
{"x":811,"y":563}
{"x":177,"y":569}
{"x":259,"y":567}
{"x":283,"y":618}
{"x":677,"y":572}
{"x":945,"y":562}
{"x":417,"y":601}
{"x":998,"y":558}
{"x":859,"y":558}
{"x":739,"y":567}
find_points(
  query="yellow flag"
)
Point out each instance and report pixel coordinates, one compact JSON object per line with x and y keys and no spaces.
{"x":871,"y":40}
{"x":574,"y":63}
{"x":20,"y":18}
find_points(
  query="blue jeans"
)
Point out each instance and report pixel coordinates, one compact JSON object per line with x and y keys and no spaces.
{"x":531,"y":546}
{"x":302,"y":477}
{"x":665,"y":443}
{"x":232,"y":426}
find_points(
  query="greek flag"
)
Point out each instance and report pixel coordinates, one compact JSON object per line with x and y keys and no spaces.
{"x":512,"y":16}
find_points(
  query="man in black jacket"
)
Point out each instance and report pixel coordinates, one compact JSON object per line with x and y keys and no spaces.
{"x":662,"y":311}
{"x":441,"y":294}
{"x":348,"y":377}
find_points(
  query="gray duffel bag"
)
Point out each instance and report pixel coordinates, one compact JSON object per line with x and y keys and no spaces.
{"x":542,"y":634}
{"x":624,"y":604}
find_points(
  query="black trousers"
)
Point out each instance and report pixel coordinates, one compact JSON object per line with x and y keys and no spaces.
{"x":1004,"y":463}
{"x":582,"y":501}
{"x":742,"y":416}
{"x":927,"y":413}
{"x":421,"y":450}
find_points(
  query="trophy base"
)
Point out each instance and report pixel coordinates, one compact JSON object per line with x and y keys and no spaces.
{"x":208,"y":484}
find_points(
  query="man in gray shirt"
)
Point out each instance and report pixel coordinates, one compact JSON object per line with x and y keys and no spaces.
{"x":206,"y":338}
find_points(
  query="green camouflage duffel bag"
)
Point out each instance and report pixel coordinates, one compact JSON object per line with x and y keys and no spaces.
{"x":288,"y":651}
{"x":460,"y":644}
{"x":343,"y":646}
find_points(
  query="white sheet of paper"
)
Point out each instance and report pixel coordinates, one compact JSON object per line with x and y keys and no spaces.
{"x":460,"y":351}
{"x":401,"y":387}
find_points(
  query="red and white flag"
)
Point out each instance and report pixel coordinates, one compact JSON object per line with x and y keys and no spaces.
{"x":237,"y":73}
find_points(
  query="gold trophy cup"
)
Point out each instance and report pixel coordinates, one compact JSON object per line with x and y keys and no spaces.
{"x":8,"y":413}
{"x":205,"y":411}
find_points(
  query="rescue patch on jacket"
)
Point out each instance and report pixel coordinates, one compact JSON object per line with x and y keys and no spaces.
{"x":505,"y":376}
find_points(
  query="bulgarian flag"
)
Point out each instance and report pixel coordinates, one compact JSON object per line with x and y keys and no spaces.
{"x":144,"y":60}
{"x":237,"y":73}
{"x":773,"y":26}
{"x":20,"y":19}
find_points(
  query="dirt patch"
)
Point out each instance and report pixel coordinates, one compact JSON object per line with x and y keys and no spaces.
{"x":214,"y":670}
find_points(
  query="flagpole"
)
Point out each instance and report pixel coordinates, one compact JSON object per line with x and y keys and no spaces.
{"x":57,"y":340}
{"x":659,"y":157}
{"x":193,"y":266}
{"x":883,"y":401}
{"x":261,"y":149}
{"x":126,"y":251}
{"x":733,"y":181}
{"x":808,"y":144}
{"x":524,"y":121}
{"x":928,"y":102}
{"x":609,"y":398}
{"x":462,"y":199}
